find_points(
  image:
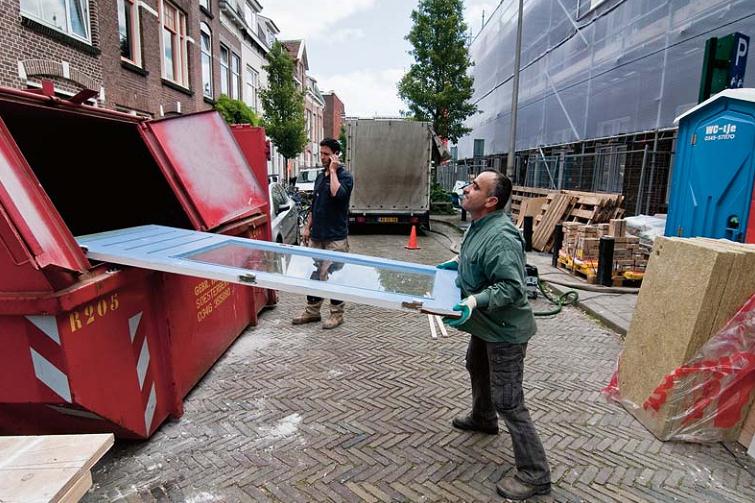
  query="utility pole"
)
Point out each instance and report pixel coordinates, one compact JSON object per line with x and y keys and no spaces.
{"x":515,"y":94}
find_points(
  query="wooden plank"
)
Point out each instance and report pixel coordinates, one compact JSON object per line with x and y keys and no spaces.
{"x":530,"y":208}
{"x":557,"y":210}
{"x":48,"y":468}
{"x":78,"y":489}
{"x":585,"y":214}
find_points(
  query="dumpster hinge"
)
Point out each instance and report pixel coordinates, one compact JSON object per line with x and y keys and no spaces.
{"x":248,"y":278}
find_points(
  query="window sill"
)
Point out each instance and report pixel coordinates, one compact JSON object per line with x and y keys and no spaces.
{"x":177,"y":87}
{"x":209,"y":100}
{"x":134,"y":68}
{"x":206,"y":12}
{"x":59,"y":36}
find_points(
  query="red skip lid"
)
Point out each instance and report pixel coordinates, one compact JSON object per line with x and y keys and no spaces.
{"x":205,"y":167}
{"x":39,"y":228}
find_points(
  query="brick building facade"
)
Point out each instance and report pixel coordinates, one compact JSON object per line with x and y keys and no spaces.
{"x":33,"y":49}
{"x":123,"y":49}
{"x":333,"y":115}
{"x":153,"y":58}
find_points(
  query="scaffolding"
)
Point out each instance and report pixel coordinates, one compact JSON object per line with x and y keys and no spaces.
{"x":593,"y":68}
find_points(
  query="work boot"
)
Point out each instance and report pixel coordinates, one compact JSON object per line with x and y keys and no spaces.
{"x":311,"y":314}
{"x":468,"y":423}
{"x":335,"y":318}
{"x":514,"y":489}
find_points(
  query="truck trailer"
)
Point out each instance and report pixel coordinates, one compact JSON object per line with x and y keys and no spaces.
{"x":390,"y":160}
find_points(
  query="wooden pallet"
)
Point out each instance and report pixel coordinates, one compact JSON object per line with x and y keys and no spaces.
{"x":49,"y":468}
{"x":520,"y":193}
{"x":586,"y":273}
{"x":553,"y":212}
{"x":595,"y":208}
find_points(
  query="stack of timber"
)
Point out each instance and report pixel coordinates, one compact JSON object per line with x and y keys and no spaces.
{"x":520,"y":194}
{"x":49,"y":468}
{"x":692,"y":288}
{"x":531,"y":207}
{"x":580,"y":251}
{"x":551,"y":207}
{"x":595,"y":207}
{"x":556,"y":208}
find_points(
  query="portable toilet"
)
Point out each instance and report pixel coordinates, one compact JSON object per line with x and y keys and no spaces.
{"x":711,"y":188}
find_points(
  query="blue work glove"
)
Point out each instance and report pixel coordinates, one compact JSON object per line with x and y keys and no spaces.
{"x":466,"y":307}
{"x":449,"y":265}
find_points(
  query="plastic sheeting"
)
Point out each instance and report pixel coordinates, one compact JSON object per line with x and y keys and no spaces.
{"x":624,"y":66}
{"x":706,"y":399}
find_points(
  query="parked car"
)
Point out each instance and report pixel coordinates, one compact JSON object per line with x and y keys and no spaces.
{"x":284,"y":216}
{"x":305,"y":182}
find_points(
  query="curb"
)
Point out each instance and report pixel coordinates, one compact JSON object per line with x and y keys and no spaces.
{"x":560,"y":290}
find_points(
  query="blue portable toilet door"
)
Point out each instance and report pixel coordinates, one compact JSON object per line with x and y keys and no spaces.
{"x":717,"y":186}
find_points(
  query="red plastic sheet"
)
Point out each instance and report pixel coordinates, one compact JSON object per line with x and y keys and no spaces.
{"x":707,"y":398}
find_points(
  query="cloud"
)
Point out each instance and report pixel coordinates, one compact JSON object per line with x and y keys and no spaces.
{"x":311,"y":19}
{"x":366,"y":93}
{"x":344,"y":35}
{"x":473,"y":10}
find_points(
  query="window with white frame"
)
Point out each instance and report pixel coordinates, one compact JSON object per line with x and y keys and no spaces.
{"x":68,"y":16}
{"x":250,"y":17}
{"x":225,"y":67}
{"x":205,"y":4}
{"x":174,"y":45}
{"x":235,"y":76}
{"x":128,"y":31}
{"x":205,"y":43}
{"x":252,"y":87}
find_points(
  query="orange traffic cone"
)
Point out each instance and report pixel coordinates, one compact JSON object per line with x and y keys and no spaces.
{"x":412,"y":239}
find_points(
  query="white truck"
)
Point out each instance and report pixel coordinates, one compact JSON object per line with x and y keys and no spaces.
{"x":390,"y":160}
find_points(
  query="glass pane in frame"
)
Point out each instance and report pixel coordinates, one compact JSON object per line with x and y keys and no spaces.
{"x":345,"y":276}
{"x":391,"y":279}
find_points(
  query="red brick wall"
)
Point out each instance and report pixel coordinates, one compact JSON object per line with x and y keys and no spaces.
{"x":31,"y":41}
{"x":99,"y":64}
{"x":332,"y":116}
{"x":130,"y":88}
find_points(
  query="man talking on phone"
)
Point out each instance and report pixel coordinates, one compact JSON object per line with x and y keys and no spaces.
{"x":327,"y":226}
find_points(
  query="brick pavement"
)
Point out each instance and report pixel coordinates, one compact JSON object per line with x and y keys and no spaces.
{"x":362,"y":413}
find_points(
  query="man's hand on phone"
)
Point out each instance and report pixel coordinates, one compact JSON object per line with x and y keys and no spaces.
{"x":333,"y":162}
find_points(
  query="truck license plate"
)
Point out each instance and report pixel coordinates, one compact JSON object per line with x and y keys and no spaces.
{"x":388,"y":220}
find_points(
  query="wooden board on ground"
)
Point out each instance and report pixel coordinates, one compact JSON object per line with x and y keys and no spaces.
{"x":49,"y":468}
{"x":691,"y":289}
{"x":530,"y":208}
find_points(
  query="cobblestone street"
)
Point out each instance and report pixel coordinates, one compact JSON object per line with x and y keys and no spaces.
{"x":363,"y":412}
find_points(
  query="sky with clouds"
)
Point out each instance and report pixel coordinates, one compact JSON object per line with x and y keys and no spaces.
{"x":357,"y":48}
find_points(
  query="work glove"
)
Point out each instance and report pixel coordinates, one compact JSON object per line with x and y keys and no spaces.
{"x":466,"y":307}
{"x":449,"y":265}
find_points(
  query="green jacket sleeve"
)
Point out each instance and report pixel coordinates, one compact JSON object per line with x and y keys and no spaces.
{"x":503,"y":268}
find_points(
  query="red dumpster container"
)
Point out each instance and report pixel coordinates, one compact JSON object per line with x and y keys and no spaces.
{"x":253,"y":144}
{"x":90,"y":347}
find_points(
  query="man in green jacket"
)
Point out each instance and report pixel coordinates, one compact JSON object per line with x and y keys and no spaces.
{"x":496,"y":312}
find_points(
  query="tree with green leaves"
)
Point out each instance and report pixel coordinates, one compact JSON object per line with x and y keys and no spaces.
{"x":438,"y":87}
{"x":342,"y":140}
{"x":283,"y":105}
{"x":236,"y":111}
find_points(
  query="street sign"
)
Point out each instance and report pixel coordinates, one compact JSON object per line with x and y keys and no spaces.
{"x":724,"y":64}
{"x":738,"y":60}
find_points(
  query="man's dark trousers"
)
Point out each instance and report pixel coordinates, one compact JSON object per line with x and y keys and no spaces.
{"x":497,"y":370}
